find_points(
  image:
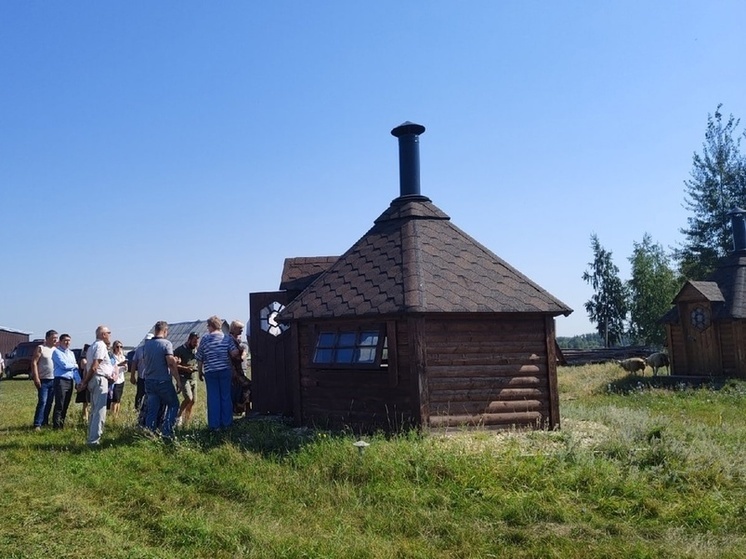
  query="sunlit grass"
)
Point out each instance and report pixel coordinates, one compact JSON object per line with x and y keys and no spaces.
{"x":637,"y":470}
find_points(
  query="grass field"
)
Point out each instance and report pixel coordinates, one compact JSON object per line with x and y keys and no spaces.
{"x":637,"y":470}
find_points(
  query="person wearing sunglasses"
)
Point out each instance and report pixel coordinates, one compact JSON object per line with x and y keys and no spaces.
{"x":117,"y":390}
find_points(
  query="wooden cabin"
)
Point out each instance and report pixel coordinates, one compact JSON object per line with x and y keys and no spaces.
{"x":417,"y":324}
{"x":10,"y":338}
{"x":706,"y":328}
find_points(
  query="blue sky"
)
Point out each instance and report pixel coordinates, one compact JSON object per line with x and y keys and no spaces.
{"x":159,"y":160}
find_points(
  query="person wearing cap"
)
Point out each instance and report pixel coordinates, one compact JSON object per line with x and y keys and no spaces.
{"x":187,"y":364}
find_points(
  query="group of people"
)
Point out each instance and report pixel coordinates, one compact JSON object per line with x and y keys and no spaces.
{"x":159,"y":372}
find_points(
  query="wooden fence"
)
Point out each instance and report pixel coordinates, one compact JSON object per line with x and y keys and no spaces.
{"x":573,"y":357}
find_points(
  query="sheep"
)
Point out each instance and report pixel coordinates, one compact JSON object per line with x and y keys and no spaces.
{"x":633,"y":364}
{"x":658,"y":360}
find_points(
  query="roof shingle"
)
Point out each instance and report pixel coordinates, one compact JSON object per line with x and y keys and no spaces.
{"x":414,"y":259}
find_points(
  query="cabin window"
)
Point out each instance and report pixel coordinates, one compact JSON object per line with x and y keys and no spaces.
{"x":348,"y":347}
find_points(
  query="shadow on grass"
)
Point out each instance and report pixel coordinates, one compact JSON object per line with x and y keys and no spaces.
{"x":269,"y":436}
{"x":634,"y":383}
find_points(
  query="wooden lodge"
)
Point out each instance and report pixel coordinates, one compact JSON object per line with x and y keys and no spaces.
{"x":417,"y":324}
{"x":706,"y":328}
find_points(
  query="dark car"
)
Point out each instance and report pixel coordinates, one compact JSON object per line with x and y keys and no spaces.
{"x":18,"y":361}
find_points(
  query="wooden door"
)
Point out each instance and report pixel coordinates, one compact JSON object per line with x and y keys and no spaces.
{"x":701,"y":340}
{"x":271,"y":355}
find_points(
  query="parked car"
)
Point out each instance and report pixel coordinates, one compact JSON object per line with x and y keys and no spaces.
{"x":18,"y":361}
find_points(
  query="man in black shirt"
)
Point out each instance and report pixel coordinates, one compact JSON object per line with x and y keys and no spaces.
{"x":187,"y":365}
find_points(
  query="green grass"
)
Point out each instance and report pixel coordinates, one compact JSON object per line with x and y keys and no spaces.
{"x":638,"y":470}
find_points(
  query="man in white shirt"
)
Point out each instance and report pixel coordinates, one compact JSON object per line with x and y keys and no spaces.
{"x":100,"y":372}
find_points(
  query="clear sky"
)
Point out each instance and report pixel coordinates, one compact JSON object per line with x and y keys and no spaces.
{"x":159,"y":160}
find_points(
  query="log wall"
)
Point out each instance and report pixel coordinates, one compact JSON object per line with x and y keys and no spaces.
{"x":363,"y":399}
{"x":494,"y":373}
{"x":442,"y":372}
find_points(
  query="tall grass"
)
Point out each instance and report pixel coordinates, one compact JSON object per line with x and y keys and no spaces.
{"x":637,"y":470}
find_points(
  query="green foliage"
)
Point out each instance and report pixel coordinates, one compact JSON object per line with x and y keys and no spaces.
{"x":651,"y":289}
{"x":608,"y":305}
{"x":717,"y":185}
{"x":581,"y":341}
{"x":638,"y":470}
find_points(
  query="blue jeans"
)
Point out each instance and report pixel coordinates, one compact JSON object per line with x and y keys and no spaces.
{"x":160,"y":392}
{"x":219,"y":401}
{"x":44,"y":402}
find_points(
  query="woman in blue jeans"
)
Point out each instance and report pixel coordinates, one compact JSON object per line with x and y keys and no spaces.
{"x":214,"y":358}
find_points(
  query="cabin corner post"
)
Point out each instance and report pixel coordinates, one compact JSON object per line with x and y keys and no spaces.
{"x":739,"y":337}
{"x":669,"y":347}
{"x":420,"y":389}
{"x":295,"y":367}
{"x":554,"y":415}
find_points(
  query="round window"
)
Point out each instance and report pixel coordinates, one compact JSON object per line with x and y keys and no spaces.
{"x":700,"y":318}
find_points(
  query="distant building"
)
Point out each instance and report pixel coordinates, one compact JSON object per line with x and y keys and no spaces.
{"x":178,"y":332}
{"x":706,"y":328}
{"x":10,"y":338}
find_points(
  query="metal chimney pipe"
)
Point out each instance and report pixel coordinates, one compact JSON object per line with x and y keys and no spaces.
{"x":738,"y":226}
{"x":409,"y":157}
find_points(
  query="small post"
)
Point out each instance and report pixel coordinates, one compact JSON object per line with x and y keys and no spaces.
{"x":361,"y":446}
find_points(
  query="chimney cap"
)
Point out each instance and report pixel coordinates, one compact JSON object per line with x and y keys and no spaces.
{"x":736,"y":211}
{"x":407,"y":128}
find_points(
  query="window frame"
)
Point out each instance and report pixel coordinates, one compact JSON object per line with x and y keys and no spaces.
{"x":346,"y":329}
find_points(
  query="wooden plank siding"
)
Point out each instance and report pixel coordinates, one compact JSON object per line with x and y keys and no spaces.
{"x":733,"y":347}
{"x":273,"y":385}
{"x":723,"y":354}
{"x":727,"y":348}
{"x":492,"y":372}
{"x":676,"y":348}
{"x":739,"y":348}
{"x":363,"y":399}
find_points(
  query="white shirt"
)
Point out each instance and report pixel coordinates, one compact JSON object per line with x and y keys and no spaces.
{"x":98,"y":351}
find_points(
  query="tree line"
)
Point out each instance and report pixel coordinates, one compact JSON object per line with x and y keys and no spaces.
{"x":628,"y":311}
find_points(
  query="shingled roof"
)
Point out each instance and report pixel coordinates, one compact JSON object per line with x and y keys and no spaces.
{"x":725,"y":288}
{"x":414,"y":260}
{"x":730,"y":277}
{"x":299,"y":273}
